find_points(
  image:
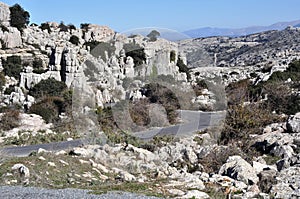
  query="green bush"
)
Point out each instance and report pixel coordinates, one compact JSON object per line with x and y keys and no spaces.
{"x":12,"y":66}
{"x":48,"y":87}
{"x":74,"y":40}
{"x":45,"y":26}
{"x":19,"y":18}
{"x":136,"y":52}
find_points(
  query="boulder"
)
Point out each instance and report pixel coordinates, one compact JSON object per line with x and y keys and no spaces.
{"x":239,"y":169}
{"x":22,"y":171}
{"x":293,"y":123}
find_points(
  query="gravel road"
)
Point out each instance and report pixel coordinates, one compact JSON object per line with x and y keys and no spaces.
{"x":19,"y":192}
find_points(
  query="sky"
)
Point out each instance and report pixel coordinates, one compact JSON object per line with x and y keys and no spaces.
{"x":179,"y":15}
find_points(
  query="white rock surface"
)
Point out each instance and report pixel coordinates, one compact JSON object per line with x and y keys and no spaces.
{"x":239,"y":169}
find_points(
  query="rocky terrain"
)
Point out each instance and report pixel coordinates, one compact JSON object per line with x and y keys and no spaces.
{"x":60,"y":83}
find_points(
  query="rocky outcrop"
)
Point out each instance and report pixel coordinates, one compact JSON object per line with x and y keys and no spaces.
{"x":11,"y":38}
{"x":4,"y":14}
{"x":237,"y":168}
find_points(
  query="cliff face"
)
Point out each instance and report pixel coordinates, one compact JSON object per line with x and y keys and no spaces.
{"x":81,"y":57}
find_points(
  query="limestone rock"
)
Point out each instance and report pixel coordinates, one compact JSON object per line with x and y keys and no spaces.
{"x":22,"y":169}
{"x":239,"y":169}
{"x":293,"y":123}
{"x":22,"y":172}
{"x":4,"y":14}
{"x":12,"y":39}
{"x":195,"y":194}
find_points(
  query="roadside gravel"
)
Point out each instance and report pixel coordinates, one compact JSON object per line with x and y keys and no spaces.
{"x":19,"y":192}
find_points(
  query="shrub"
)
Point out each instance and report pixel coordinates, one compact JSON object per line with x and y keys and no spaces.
{"x":9,"y":90}
{"x":62,"y":27}
{"x":12,"y":66}
{"x":84,"y":26}
{"x":157,"y":93}
{"x":74,"y":40}
{"x":48,"y":87}
{"x":37,"y":66}
{"x":213,"y":161}
{"x":2,"y":81}
{"x":10,"y":120}
{"x":19,"y":18}
{"x":4,"y":28}
{"x":49,"y":108}
{"x":46,"y":26}
{"x":200,"y":85}
{"x":183,"y":68}
{"x":172,"y":56}
{"x":72,"y":27}
{"x":139,"y":112}
{"x":243,"y":120}
{"x":136,"y":52}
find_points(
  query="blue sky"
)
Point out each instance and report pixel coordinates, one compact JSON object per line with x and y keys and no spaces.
{"x":123,"y":15}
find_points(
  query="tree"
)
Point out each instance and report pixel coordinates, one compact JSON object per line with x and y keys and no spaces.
{"x":153,"y":35}
{"x":45,"y":26}
{"x":74,"y":40}
{"x":62,"y":27}
{"x":19,"y":18}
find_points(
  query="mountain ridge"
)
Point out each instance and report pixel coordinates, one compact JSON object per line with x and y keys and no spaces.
{"x":235,"y":32}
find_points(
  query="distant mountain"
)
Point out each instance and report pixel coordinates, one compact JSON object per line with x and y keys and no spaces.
{"x":208,"y":31}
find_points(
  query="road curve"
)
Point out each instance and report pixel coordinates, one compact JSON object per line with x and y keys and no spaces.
{"x":193,"y":121}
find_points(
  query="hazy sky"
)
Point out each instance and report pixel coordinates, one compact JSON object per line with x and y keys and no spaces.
{"x":123,"y":15}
